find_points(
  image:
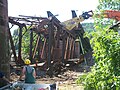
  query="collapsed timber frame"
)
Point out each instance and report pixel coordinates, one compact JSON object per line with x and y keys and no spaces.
{"x":54,"y":42}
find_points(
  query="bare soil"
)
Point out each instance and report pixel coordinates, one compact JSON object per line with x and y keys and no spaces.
{"x":65,"y":80}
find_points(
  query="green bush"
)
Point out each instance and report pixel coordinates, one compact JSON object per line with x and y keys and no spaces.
{"x":105,"y":73}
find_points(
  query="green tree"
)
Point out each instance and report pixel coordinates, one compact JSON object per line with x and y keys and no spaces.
{"x":105,"y":73}
{"x":109,"y":5}
{"x":88,"y":27}
{"x":25,"y":49}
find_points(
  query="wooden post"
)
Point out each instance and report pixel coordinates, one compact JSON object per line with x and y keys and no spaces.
{"x":35,"y":49}
{"x":63,"y":50}
{"x":20,"y":45}
{"x":31,"y":45}
{"x":70,"y":49}
{"x":39,"y":49}
{"x":12,"y":45}
{"x":43,"y":48}
{"x":66,"y":48}
{"x":50,"y":47}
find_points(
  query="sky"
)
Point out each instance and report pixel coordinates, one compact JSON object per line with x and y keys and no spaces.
{"x":39,"y":7}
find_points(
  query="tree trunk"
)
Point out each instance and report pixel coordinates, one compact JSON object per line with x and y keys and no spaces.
{"x":4,"y":44}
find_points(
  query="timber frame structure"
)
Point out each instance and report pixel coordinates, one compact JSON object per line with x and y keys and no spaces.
{"x":54,"y":43}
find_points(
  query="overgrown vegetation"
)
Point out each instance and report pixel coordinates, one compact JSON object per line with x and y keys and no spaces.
{"x":105,"y":74}
{"x":25,"y":42}
{"x":88,"y":27}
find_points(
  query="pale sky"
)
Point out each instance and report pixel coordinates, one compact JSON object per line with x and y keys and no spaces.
{"x":39,"y":7}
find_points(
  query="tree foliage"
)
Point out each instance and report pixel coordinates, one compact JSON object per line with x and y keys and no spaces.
{"x":88,"y":27}
{"x":25,"y":49}
{"x":109,"y":4}
{"x":105,"y":73}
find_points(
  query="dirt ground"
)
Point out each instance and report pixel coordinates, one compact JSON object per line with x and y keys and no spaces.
{"x":65,"y":80}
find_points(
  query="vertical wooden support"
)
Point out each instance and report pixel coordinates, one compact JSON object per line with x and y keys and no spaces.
{"x":31,"y":45}
{"x":39,"y":51}
{"x":66,"y":48}
{"x":12,"y":45}
{"x":43,"y":49}
{"x":58,"y":38}
{"x":77,"y":48}
{"x":50,"y":47}
{"x":35,"y":49}
{"x":82,"y":50}
{"x":70,"y":49}
{"x":20,"y":45}
{"x":63,"y":50}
